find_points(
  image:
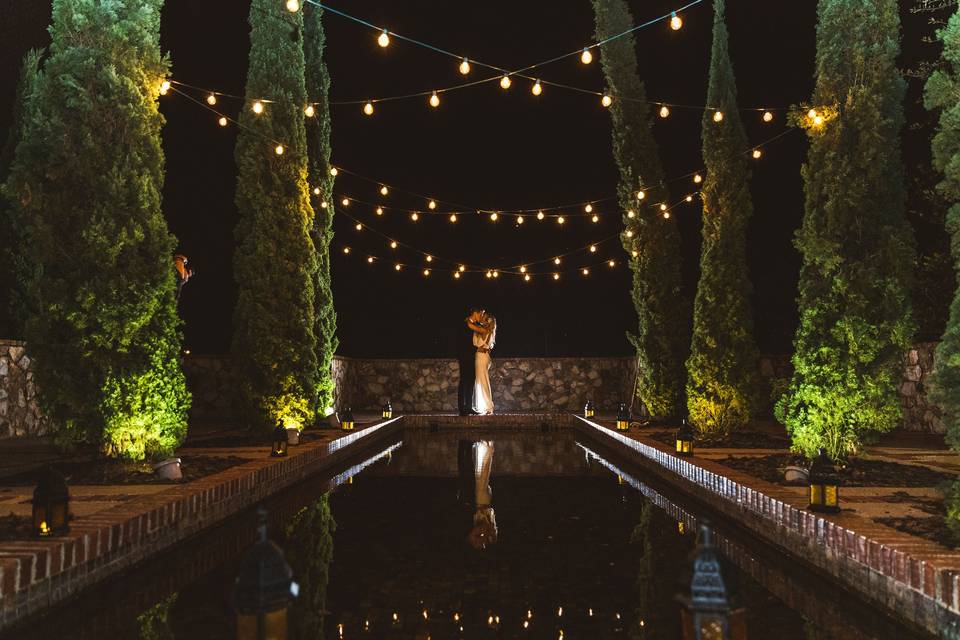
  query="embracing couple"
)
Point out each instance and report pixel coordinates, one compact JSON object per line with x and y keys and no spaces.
{"x":473,"y":395}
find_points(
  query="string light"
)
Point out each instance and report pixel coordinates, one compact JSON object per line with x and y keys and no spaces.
{"x":164,"y":87}
{"x":560,"y":220}
{"x":756,"y":154}
{"x":384,"y":191}
{"x":211,"y":99}
{"x":370,"y":259}
{"x":586,"y":57}
{"x":629,"y":233}
{"x":697,"y":178}
{"x":767,"y":116}
{"x":631,"y":213}
{"x":523,"y":269}
{"x":641,"y":195}
{"x":612,"y":263}
{"x":345,"y":202}
{"x":540,"y":215}
{"x":606,"y":100}
{"x":494,"y":216}
{"x":368,"y":109}
{"x":429,"y":258}
{"x":593,"y":248}
{"x":635,"y":253}
{"x":505,"y":82}
{"x":519,"y":219}
{"x":812,"y":114}
{"x":414,"y":216}
{"x":432,"y":204}
{"x":323,"y":205}
{"x":346,"y":249}
{"x":393,"y":244}
{"x":456,"y":275}
{"x":334,"y":171}
{"x":359,"y":227}
{"x":384,"y":39}
{"x":462,"y":268}
{"x":556,"y":260}
{"x":537,"y":89}
{"x":434,"y":100}
{"x":588,"y":208}
{"x":496,"y":274}
{"x":718,"y":116}
{"x":222,"y":121}
{"x":595,"y":218}
{"x":257,"y":107}
{"x":379,"y":211}
{"x":453,"y":217}
{"x":586,"y":271}
{"x":426,"y":272}
{"x":689,"y":198}
{"x":465,"y":67}
{"x":663,"y":206}
{"x":293,"y":6}
{"x":526,"y":278}
{"x":675,"y":21}
{"x":397,"y":267}
{"x":278,"y":149}
{"x":666,"y":215}
{"x":309,"y":111}
{"x":664,"y":111}
{"x":556,"y":276}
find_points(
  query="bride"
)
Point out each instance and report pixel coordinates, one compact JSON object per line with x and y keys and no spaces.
{"x":484,"y":327}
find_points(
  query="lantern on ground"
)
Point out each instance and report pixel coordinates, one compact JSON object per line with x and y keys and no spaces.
{"x":623,"y":417}
{"x":387,"y":411}
{"x":280,"y":442}
{"x":706,"y":613}
{"x":263,"y":590}
{"x":824,"y":484}
{"x":684,"y":439}
{"x":346,"y":420}
{"x":588,"y":409}
{"x":51,"y":505}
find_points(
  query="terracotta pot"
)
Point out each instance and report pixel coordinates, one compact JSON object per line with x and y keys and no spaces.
{"x":293,"y":436}
{"x":169,"y":469}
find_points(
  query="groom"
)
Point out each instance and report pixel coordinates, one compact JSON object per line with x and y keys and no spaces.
{"x":466,"y":357}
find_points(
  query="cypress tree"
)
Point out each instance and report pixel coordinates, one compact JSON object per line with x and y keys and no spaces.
{"x":310,"y":543}
{"x":318,"y":150}
{"x":941,"y":93}
{"x":722,"y":367}
{"x":274,"y":264}
{"x":87,"y":176}
{"x":662,"y":336}
{"x":856,"y":245}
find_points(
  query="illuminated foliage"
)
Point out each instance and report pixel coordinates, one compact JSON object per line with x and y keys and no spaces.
{"x":154,"y":623}
{"x":310,"y":544}
{"x":942,"y":93}
{"x":102,"y":323}
{"x":857,"y":248}
{"x":318,"y":149}
{"x":274,"y":263}
{"x":663,"y":333}
{"x":722,"y":367}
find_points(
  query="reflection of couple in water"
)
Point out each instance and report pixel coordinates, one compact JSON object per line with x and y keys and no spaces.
{"x":474,"y":463}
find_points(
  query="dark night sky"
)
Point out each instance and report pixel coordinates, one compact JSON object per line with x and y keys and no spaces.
{"x":484,"y":147}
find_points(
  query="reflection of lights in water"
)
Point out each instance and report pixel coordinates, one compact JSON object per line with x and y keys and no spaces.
{"x":529,"y":614}
{"x":425,"y":616}
{"x":456,"y":617}
{"x":560,"y":611}
{"x":590,"y":612}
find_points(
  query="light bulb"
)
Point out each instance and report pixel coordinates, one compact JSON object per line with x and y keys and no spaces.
{"x":453,"y":217}
{"x":812,"y":114}
{"x":211,"y":99}
{"x":465,"y":67}
{"x":666,"y":215}
{"x":635,"y":253}
{"x":279,"y":149}
{"x":222,"y":121}
{"x":434,"y":100}
{"x":489,"y":274}
{"x":334,"y":172}
{"x":164,"y":87}
{"x":588,"y":208}
{"x":370,"y":259}
{"x":586,"y":57}
{"x":494,"y":216}
{"x":397,"y":267}
{"x":346,"y":249}
{"x":456,"y":275}
{"x":539,"y":215}
{"x":595,"y":218}
{"x":663,"y":207}
{"x":462,"y":268}
{"x":537,"y":89}
{"x":316,"y":191}
{"x":756,"y":154}
{"x":526,"y":278}
{"x":384,"y":190}
{"x":593,"y":248}
{"x":379,"y":211}
{"x":429,"y":258}
{"x":505,"y":82}
{"x":718,"y":116}
{"x":641,"y":195}
{"x":393,"y":244}
{"x":556,"y":276}
{"x":629,"y":233}
{"x":612,"y":263}
{"x":309,"y":111}
{"x":630,"y":213}
{"x":384,"y":39}
{"x":560,"y":220}
{"x":697,"y":178}
{"x":586,"y":271}
{"x":345,"y":202}
{"x":767,"y":116}
{"x":689,"y":198}
{"x":293,"y":6}
{"x":323,"y":205}
{"x":664,"y":111}
{"x":496,"y":274}
{"x":257,"y":107}
{"x":519,"y":219}
{"x":426,"y":272}
{"x":606,"y":100}
{"x":432,"y":204}
{"x":523,"y":269}
{"x":359,"y":227}
{"x":675,"y":21}
{"x":414,"y":216}
{"x":818,"y":120}
{"x":368,"y":109}
{"x":556,"y":260}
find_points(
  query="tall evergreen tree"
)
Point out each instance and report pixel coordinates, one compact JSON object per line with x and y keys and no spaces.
{"x":310,"y":541}
{"x":318,"y":149}
{"x":722,"y":368}
{"x":942,"y":93}
{"x":663,"y":333}
{"x":274,"y":264}
{"x":87,"y":176}
{"x":857,"y":247}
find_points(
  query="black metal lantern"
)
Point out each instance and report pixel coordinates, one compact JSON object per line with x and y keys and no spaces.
{"x":684,"y":439}
{"x":51,"y":505}
{"x":346,"y":420}
{"x":623,"y":417}
{"x":824,"y":484}
{"x":706,"y":613}
{"x":263,"y":590}
{"x":280,"y":442}
{"x":387,"y":411}
{"x":588,"y":410}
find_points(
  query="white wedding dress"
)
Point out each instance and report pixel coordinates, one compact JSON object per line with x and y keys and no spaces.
{"x":482,"y":396}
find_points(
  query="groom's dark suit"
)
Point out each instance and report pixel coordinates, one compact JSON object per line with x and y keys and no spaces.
{"x":466,"y":356}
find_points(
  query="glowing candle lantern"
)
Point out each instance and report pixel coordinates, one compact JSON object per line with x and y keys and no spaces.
{"x":346,"y":420}
{"x":706,"y":614}
{"x":588,"y":409}
{"x":280,"y":442}
{"x":824,"y":484}
{"x":51,"y":505}
{"x":264,"y":589}
{"x":623,"y":417}
{"x":387,"y":412}
{"x":684,"y":439}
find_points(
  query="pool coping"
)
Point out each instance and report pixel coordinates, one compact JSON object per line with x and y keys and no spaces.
{"x":916,"y":579}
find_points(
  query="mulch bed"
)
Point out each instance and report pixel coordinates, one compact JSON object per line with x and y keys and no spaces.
{"x":932,"y":527}
{"x":247,"y":440}
{"x":856,"y":473}
{"x":112,"y":472}
{"x":736,"y":440}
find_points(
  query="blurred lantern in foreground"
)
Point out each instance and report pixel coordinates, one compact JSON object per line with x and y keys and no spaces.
{"x":706,"y":613}
{"x":263,"y":590}
{"x":623,"y":417}
{"x":346,"y":420}
{"x":387,"y":411}
{"x":51,"y":505}
{"x":684,"y":439}
{"x":280,"y":442}
{"x":824,"y":484}
{"x":588,"y":410}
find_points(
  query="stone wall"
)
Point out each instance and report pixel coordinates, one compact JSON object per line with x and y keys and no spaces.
{"x":20,"y":415}
{"x":919,"y":414}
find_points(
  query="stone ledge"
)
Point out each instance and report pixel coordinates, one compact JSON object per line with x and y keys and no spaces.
{"x":916,"y":579}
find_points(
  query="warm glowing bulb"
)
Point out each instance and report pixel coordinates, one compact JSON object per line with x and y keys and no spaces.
{"x":370,"y":259}
{"x":641,"y":195}
{"x":697,"y":178}
{"x":346,"y":249}
{"x":257,"y":107}
{"x":432,"y":204}
{"x":523,"y":269}
{"x":539,"y":215}
{"x":717,"y":116}
{"x":631,"y":213}
{"x":434,"y":100}
{"x":359,"y":227}
{"x":593,"y":248}
{"x":456,"y":274}
{"x":164,"y":87}
{"x":586,"y":57}
{"x":526,"y":278}
{"x":414,"y":216}
{"x":397,"y":266}
{"x":309,"y":111}
{"x":279,"y":149}
{"x":496,"y":274}
{"x":537,"y":89}
{"x":465,"y":67}
{"x":453,"y":217}
{"x":663,"y":207}
{"x":429,"y":258}
{"x":211,"y":99}
{"x":606,"y":100}
{"x":635,"y":253}
{"x":505,"y":82}
{"x":393,"y":244}
{"x":812,"y":113}
{"x":384,"y":190}
{"x":629,"y":233}
{"x":612,"y":263}
{"x":379,"y":211}
{"x":595,"y":218}
{"x":526,"y":624}
{"x":675,"y":21}
{"x":689,"y":198}
{"x":666,"y":215}
{"x":494,"y":216}
{"x":384,"y":39}
{"x":818,"y":120}
{"x":767,"y":116}
{"x":586,"y":271}
{"x":556,"y":276}
{"x":323,"y":205}
{"x":560,"y":220}
{"x":519,"y":219}
{"x":757,"y":153}
{"x":426,"y":272}
{"x":664,"y":111}
{"x":222,"y":121}
{"x":345,"y":202}
{"x":368,"y":109}
{"x":293,"y":6}
{"x":334,"y":172}
{"x":316,"y":191}
{"x":462,"y":268}
{"x":489,"y":274}
{"x":556,"y":260}
{"x":588,"y":208}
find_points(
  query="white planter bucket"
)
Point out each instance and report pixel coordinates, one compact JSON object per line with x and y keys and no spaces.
{"x":169,"y":469}
{"x":293,"y":436}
